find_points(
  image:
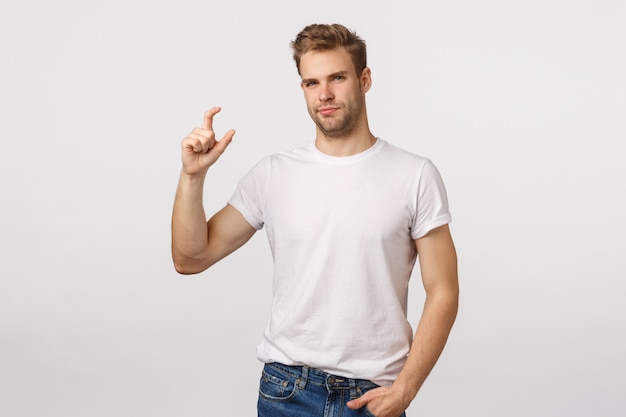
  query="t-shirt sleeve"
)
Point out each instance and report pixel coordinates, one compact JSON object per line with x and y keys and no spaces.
{"x":432,"y":208}
{"x":249,"y":195}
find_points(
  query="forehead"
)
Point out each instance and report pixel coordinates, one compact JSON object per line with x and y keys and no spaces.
{"x":318,"y":64}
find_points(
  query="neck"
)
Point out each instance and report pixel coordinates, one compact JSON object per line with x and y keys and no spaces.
{"x":345,"y":145}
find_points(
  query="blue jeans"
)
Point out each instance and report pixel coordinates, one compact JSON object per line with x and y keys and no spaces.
{"x":300,"y":391}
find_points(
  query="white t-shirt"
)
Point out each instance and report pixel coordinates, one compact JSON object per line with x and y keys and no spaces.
{"x":342,"y":231}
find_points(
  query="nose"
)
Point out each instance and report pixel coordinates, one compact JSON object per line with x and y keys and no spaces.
{"x":326,"y":93}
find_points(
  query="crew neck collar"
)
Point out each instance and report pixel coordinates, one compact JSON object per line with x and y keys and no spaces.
{"x":340,"y":160}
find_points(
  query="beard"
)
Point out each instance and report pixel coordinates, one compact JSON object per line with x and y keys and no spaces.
{"x":341,"y":125}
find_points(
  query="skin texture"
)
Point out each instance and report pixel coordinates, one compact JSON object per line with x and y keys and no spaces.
{"x":335,"y":98}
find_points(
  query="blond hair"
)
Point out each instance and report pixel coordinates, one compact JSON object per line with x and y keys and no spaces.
{"x":323,"y":37}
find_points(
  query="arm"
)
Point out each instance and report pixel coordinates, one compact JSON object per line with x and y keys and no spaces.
{"x":196,"y":243}
{"x":438,"y":265}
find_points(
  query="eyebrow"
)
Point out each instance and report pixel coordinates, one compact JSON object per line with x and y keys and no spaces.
{"x":332,"y":75}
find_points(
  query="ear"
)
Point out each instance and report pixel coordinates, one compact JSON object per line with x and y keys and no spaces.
{"x":366,"y":79}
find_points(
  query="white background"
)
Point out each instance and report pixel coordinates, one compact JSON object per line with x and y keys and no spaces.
{"x":521,"y":105}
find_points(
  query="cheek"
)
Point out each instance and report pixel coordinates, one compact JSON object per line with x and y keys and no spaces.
{"x":309,"y":100}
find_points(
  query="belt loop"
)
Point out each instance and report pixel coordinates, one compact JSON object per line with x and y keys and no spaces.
{"x":304,"y":377}
{"x":353,"y":390}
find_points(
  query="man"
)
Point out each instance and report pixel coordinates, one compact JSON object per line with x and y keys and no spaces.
{"x":346,"y":217}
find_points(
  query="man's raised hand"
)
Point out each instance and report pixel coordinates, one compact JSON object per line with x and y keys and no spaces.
{"x":200,"y":150}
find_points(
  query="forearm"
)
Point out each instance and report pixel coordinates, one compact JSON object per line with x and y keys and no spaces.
{"x":430,"y":338}
{"x":189,"y":228}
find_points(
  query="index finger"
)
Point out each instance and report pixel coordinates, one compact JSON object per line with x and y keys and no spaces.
{"x":208,"y":117}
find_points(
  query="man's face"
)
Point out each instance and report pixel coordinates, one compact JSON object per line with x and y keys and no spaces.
{"x":334,"y":93}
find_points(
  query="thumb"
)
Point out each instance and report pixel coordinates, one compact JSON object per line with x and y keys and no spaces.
{"x":358,"y":402}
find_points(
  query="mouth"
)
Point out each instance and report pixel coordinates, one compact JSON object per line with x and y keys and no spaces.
{"x":327,"y":111}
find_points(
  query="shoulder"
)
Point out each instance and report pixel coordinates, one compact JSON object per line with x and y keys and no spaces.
{"x":281,"y":159}
{"x":301,"y":153}
{"x":404,"y":158}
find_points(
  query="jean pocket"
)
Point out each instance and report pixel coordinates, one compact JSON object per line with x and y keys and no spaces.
{"x":364,"y":387}
{"x":367,"y":412}
{"x":277,"y":386}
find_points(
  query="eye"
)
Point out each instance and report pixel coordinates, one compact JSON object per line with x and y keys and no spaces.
{"x":310,"y":83}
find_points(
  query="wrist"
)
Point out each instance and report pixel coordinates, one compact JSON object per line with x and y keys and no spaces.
{"x":407,"y":390}
{"x":193,"y":177}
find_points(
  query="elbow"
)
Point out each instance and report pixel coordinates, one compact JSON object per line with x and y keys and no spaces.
{"x":187,"y":263}
{"x":452,"y":298}
{"x":188,"y":266}
{"x":184,"y":270}
{"x":446,"y":301}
